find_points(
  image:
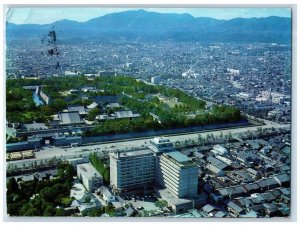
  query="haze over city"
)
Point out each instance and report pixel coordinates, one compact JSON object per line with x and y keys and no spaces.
{"x":40,"y":15}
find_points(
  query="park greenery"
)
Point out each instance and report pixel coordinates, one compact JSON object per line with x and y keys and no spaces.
{"x":161,"y":203}
{"x":100,"y":167}
{"x":46,"y":197}
{"x":152,"y":102}
{"x":97,"y":212}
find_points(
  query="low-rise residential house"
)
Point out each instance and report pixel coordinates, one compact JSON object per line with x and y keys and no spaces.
{"x":267,"y":184}
{"x":215,"y":170}
{"x":282,"y":179}
{"x":129,"y":211}
{"x":87,"y":207}
{"x":208,"y":209}
{"x":251,"y":187}
{"x":220,"y":214}
{"x":254,"y":173}
{"x":220,"y":149}
{"x":268,"y":196}
{"x":271,"y":210}
{"x":285,"y":149}
{"x":216,"y":197}
{"x":234,"y":209}
{"x":258,"y":196}
{"x":218,"y":163}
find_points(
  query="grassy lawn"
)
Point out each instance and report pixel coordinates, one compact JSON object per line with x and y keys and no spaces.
{"x":171,"y":102}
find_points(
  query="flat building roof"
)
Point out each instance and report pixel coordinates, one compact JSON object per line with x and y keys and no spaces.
{"x":124,"y":154}
{"x":89,"y":170}
{"x":178,"y":156}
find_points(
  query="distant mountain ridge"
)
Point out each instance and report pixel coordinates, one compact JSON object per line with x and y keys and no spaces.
{"x":151,"y":26}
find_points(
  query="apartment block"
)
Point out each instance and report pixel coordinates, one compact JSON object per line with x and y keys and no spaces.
{"x":132,"y":171}
{"x":177,"y":173}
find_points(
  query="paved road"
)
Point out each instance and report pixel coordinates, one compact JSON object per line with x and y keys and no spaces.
{"x":48,"y":153}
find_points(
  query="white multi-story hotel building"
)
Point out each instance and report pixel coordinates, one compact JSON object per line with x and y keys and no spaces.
{"x":171,"y":174}
{"x":132,"y":171}
{"x":159,"y":166}
{"x":177,"y":173}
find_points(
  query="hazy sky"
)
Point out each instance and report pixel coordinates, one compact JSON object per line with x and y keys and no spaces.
{"x":49,"y":15}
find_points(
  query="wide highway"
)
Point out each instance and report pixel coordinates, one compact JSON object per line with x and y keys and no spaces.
{"x":48,"y":153}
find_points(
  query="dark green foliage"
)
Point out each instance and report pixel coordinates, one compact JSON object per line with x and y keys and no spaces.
{"x":19,"y":104}
{"x":32,"y":212}
{"x":161,"y":203}
{"x":66,"y":172}
{"x":106,"y":175}
{"x":92,"y":114}
{"x":100,"y":167}
{"x":52,"y":193}
{"x":15,"y":139}
{"x":58,"y":105}
{"x":123,"y":126}
{"x":96,"y":212}
{"x":110,"y":210}
{"x":12,"y":186}
{"x":14,"y":208}
{"x":135,"y":95}
{"x":49,"y":211}
{"x":45,"y":195}
{"x":59,"y":212}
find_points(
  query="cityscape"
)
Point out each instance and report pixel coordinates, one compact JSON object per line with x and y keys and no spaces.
{"x":141,"y":113}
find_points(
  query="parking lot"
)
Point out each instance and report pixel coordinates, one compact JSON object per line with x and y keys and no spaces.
{"x":143,"y":203}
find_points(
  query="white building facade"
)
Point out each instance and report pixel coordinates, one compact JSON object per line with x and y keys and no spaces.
{"x":132,"y":171}
{"x":177,"y":173}
{"x":90,"y":177}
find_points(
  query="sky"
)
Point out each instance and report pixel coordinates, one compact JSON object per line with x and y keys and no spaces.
{"x":39,"y":15}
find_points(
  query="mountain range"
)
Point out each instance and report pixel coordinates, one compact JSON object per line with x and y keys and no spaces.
{"x":143,"y":25}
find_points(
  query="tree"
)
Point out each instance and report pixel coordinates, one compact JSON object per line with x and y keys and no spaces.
{"x":58,"y":105}
{"x":161,"y":203}
{"x":109,"y":209}
{"x":221,"y":135}
{"x":207,"y":138}
{"x":49,"y":211}
{"x":87,"y":199}
{"x":106,"y":176}
{"x":70,"y":172}
{"x":97,"y":212}
{"x":92,"y":114}
{"x":100,"y":167}
{"x":25,"y":208}
{"x":37,"y":203}
{"x":13,"y":209}
{"x":32,"y":212}
{"x":212,"y":137}
{"x":49,"y":193}
{"x":259,"y":131}
{"x":200,"y":139}
{"x":60,"y":212}
{"x":12,"y":186}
